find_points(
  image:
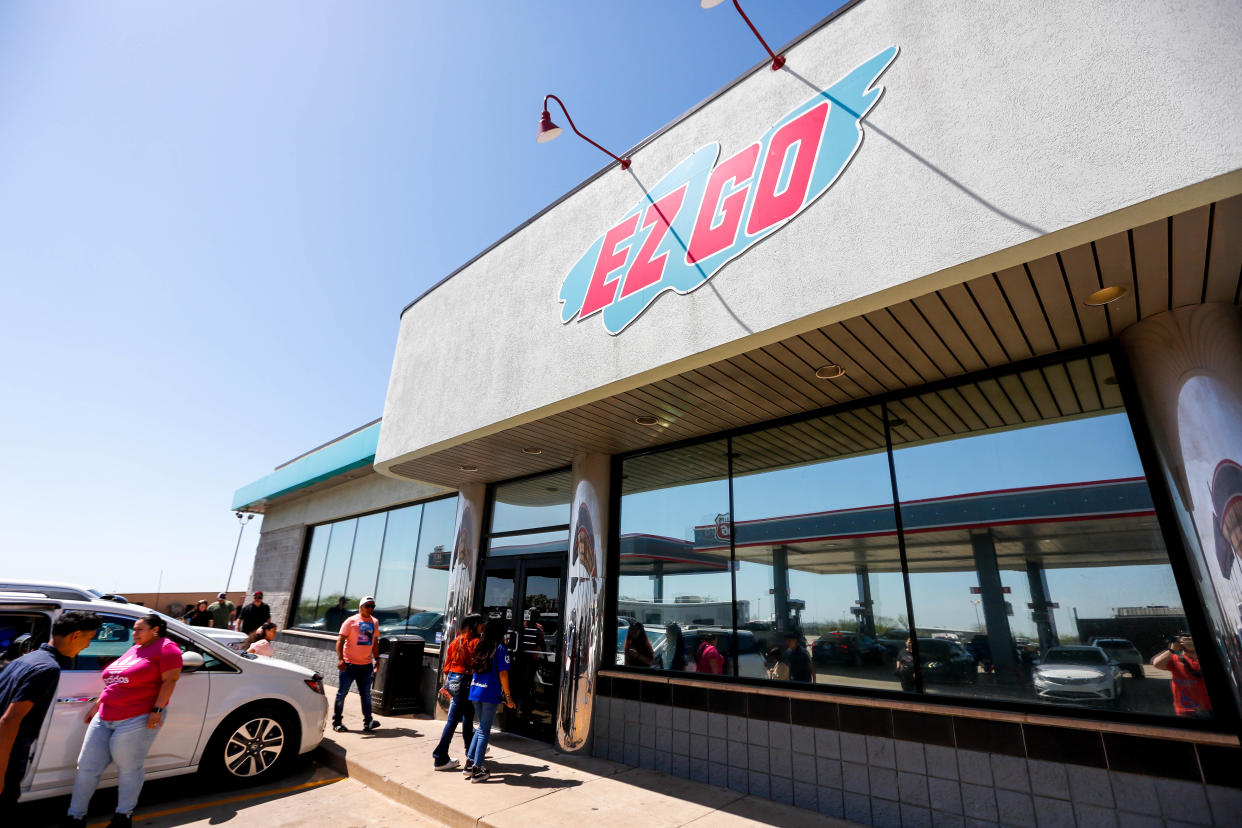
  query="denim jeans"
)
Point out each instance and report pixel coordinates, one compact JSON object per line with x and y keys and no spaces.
{"x":125,"y":742}
{"x":461,"y":709}
{"x":485,"y":712}
{"x":362,"y":674}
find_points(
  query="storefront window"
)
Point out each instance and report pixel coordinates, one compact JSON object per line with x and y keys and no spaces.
{"x":396,"y":556}
{"x":818,"y":559}
{"x":1035,"y":567}
{"x":675,"y":590}
{"x":532,"y":503}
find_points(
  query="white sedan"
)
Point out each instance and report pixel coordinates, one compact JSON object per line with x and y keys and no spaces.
{"x":236,"y":716}
{"x":1077,"y":674}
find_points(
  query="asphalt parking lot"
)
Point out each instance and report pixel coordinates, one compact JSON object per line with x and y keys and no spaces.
{"x":308,"y":795}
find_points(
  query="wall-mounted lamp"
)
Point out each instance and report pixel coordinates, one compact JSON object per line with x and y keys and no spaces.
{"x":548,"y":130}
{"x":777,"y":60}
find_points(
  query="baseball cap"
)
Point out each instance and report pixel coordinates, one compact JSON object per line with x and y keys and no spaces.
{"x":367,"y":600}
{"x":222,"y":596}
{"x":258,"y":593}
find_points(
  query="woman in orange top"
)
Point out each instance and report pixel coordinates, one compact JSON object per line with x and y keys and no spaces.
{"x":457,"y":675}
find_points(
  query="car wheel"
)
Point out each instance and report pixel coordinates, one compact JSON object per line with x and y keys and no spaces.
{"x":250,"y":745}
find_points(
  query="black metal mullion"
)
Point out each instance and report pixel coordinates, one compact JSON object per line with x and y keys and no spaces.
{"x":732,"y":556}
{"x":901,"y":551}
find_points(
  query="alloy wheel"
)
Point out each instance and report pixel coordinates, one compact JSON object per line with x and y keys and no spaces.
{"x":254,"y":747}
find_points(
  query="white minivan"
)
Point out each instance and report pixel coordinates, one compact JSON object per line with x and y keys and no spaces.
{"x":236,"y":716}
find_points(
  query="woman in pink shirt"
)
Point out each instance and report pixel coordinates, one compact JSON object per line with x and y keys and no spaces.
{"x":260,"y":641}
{"x":126,"y":719}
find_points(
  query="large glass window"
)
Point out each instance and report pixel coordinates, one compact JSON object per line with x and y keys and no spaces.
{"x":1034,"y":550}
{"x":818,"y":558}
{"x":397,"y":556}
{"x":675,"y":589}
{"x":1034,"y":571}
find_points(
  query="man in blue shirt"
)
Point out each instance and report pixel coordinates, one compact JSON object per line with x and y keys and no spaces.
{"x":27,"y":687}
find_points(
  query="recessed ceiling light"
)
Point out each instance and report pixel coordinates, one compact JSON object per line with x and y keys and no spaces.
{"x":550,"y":488}
{"x":1110,"y":380}
{"x":1105,"y":295}
{"x":647,"y":420}
{"x":895,"y":422}
{"x":532,"y":450}
{"x":829,"y":371}
{"x":468,"y":468}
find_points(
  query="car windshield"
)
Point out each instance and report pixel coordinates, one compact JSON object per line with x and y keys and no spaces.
{"x":934,"y":648}
{"x":1092,"y":657}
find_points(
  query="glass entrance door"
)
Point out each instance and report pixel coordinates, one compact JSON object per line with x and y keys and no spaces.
{"x":528,"y":593}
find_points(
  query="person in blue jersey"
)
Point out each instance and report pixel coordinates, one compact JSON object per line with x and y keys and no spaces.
{"x":488,"y":689}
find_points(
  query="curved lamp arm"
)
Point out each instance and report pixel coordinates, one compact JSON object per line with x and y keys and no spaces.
{"x":551,"y":130}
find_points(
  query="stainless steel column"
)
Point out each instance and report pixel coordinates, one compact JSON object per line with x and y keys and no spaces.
{"x":463,"y":568}
{"x":582,"y":645}
{"x":1187,"y":366}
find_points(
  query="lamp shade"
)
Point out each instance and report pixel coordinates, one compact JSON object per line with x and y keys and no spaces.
{"x":547,"y":129}
{"x":710,"y":4}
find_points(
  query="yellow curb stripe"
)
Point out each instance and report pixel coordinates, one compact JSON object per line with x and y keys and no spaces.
{"x":228,"y":800}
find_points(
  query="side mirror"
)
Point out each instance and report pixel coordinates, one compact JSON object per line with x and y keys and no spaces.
{"x":191,"y":661}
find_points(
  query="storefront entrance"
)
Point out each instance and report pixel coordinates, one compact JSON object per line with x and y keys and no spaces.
{"x":528,"y":593}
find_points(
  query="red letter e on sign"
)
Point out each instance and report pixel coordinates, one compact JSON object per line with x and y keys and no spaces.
{"x":602,"y":291}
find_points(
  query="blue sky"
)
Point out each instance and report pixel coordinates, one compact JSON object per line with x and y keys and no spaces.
{"x":212,"y":215}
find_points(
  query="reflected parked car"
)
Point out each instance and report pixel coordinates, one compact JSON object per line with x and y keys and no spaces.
{"x":429,"y":625}
{"x":1077,"y":674}
{"x":946,"y":662}
{"x":656,"y":637}
{"x":842,"y":647}
{"x":1122,"y":651}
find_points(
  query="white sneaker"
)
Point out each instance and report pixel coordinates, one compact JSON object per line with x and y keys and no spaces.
{"x":449,"y":765}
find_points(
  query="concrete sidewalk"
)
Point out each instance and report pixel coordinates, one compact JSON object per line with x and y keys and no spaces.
{"x":533,"y":784}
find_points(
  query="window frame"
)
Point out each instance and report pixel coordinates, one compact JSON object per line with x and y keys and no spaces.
{"x":1225,"y":713}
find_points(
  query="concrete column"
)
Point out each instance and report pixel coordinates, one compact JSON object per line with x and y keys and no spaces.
{"x":583,"y":645}
{"x":276,"y":562}
{"x":1187,"y":366}
{"x":1000,"y":641}
{"x":1037,"y":580}
{"x":780,"y":587}
{"x":866,"y":618}
{"x":464,"y":566}
{"x":657,"y":586}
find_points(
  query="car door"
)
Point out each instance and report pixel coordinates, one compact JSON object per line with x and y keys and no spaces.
{"x":183,"y":720}
{"x":79,"y":688}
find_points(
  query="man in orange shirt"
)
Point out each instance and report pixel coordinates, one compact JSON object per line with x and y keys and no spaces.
{"x":357,"y":658}
{"x":458,"y":657}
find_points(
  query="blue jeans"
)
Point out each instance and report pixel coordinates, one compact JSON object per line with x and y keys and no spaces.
{"x":125,"y":742}
{"x":461,"y":709}
{"x":485,"y":712}
{"x":362,"y":674}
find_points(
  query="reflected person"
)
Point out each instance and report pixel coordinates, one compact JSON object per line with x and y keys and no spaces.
{"x":905,"y":667}
{"x":1190,"y":696}
{"x":638,"y":651}
{"x":798,"y":659}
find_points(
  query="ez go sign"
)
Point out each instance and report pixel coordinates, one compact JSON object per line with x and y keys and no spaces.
{"x":704,"y":214}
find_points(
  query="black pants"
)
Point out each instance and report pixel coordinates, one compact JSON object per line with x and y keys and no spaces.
{"x":13,"y":777}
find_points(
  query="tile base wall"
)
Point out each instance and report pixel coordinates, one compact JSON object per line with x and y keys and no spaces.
{"x":895,"y":783}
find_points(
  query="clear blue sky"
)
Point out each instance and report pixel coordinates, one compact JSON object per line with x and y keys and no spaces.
{"x":212,"y":214}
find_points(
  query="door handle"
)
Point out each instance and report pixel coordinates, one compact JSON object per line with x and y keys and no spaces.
{"x":75,"y":699}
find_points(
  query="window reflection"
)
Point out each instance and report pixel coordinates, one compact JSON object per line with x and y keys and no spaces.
{"x":674,"y":562}
{"x":532,"y":503}
{"x":1035,"y":563}
{"x":816,"y":539}
{"x":1032,"y":541}
{"x":398,"y":556}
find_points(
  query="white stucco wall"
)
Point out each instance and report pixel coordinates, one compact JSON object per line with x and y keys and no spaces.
{"x":366,"y":494}
{"x":1000,"y":124}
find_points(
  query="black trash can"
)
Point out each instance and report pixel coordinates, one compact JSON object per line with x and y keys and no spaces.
{"x":397,"y":681}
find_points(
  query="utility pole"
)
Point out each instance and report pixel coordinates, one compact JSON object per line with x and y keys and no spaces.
{"x":242,"y":521}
